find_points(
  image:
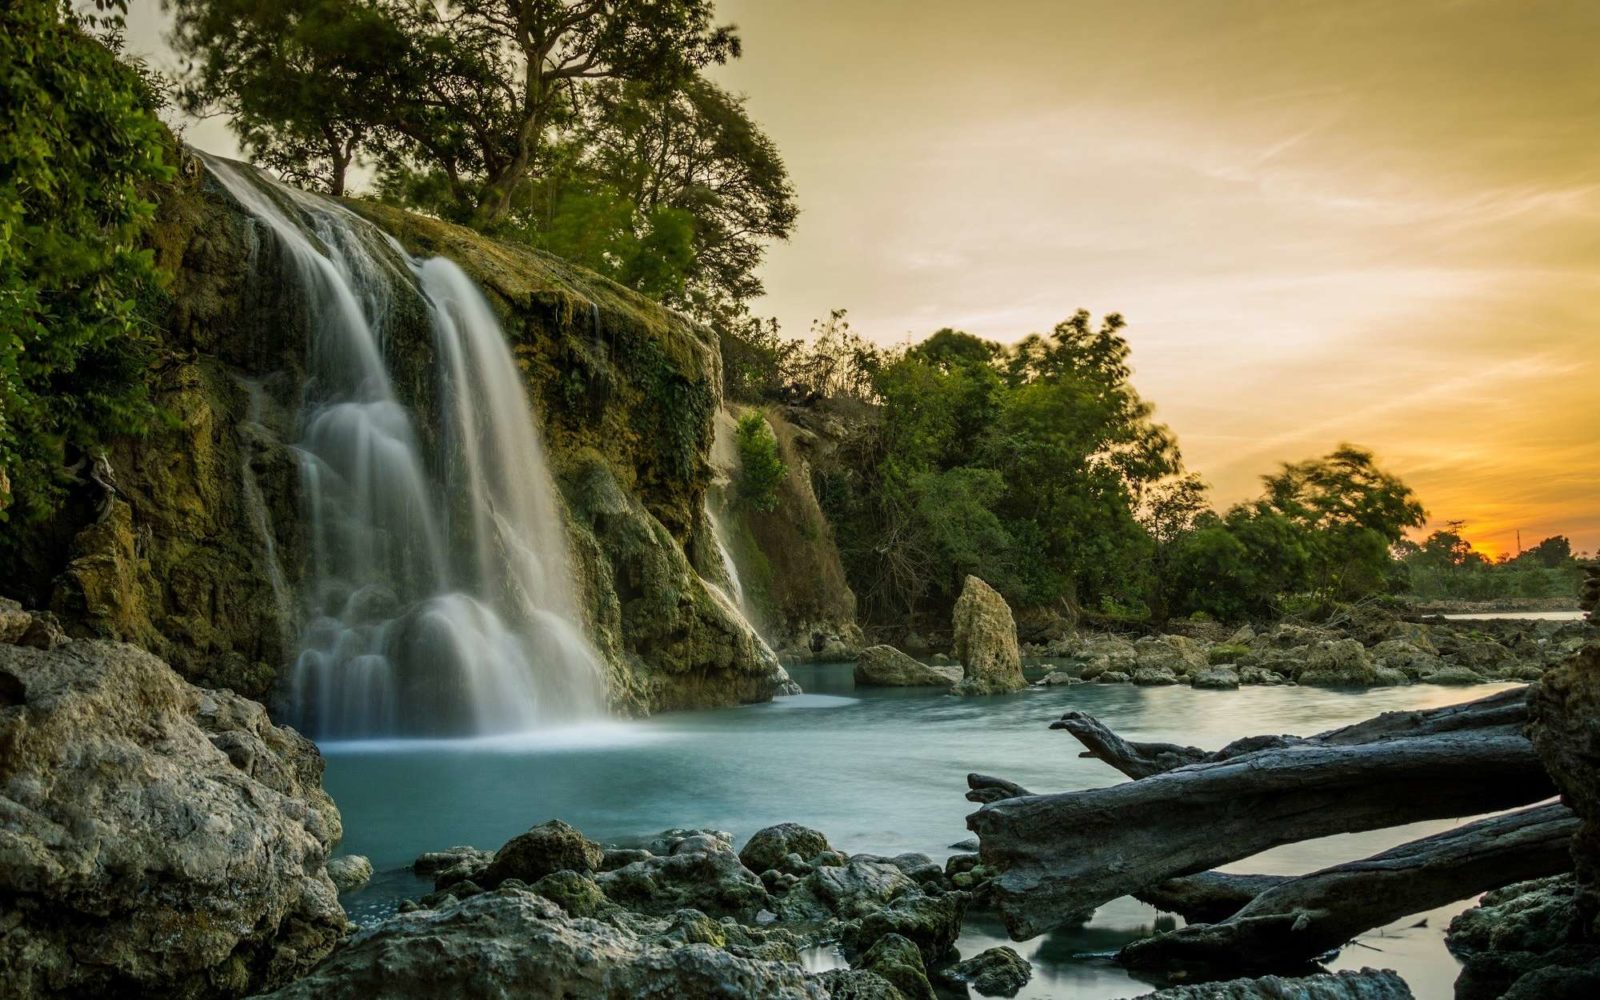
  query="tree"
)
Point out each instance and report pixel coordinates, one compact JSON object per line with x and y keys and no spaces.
{"x":1169,"y":513}
{"x":80,"y":148}
{"x":1352,"y":513}
{"x":305,"y":83}
{"x":1551,"y":553}
{"x":761,"y":466}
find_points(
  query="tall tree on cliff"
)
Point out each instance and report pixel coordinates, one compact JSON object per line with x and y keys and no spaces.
{"x":466,"y":90}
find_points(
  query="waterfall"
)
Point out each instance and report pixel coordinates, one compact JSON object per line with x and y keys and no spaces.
{"x":438,"y":597}
{"x":730,"y":570}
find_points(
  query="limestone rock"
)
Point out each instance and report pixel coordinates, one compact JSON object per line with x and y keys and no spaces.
{"x":931,"y":922}
{"x":352,"y":871}
{"x":1565,"y":729}
{"x":885,"y":666}
{"x":1154,"y":676}
{"x":1336,"y":663}
{"x":996,"y":972}
{"x":511,"y":943}
{"x":768,"y":847}
{"x":550,"y":847}
{"x":711,"y":881}
{"x":986,"y":641}
{"x":1219,"y":678}
{"x":897,"y":960}
{"x":1368,"y":984}
{"x":846,"y":893}
{"x":432,"y":863}
{"x":155,"y":838}
{"x":857,"y":984}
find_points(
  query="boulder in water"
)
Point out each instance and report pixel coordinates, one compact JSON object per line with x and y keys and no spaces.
{"x":846,"y":892}
{"x":932,"y":922}
{"x":1335,"y":663}
{"x":986,"y":641}
{"x":1565,"y":711}
{"x":897,"y":960}
{"x":769,"y":847}
{"x":996,"y":972}
{"x":157,"y":839}
{"x":885,"y":666}
{"x":711,"y":881}
{"x":547,"y":848}
{"x":352,"y":871}
{"x":1220,"y":678}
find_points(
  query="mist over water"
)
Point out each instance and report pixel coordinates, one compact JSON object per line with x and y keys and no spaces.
{"x":438,"y":599}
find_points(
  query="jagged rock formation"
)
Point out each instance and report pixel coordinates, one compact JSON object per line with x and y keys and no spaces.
{"x":787,"y":557}
{"x":191,"y":544}
{"x":986,"y":641}
{"x":514,"y":943}
{"x":156,"y":839}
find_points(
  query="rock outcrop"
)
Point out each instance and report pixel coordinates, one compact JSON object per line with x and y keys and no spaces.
{"x":1368,"y":984}
{"x":514,"y":943}
{"x":885,"y":666}
{"x":986,"y":641}
{"x":1565,"y":729}
{"x":156,"y":839}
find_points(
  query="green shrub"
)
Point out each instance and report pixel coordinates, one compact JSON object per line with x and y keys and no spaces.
{"x":1227,"y":652}
{"x":761,"y":468}
{"x":79,"y":146}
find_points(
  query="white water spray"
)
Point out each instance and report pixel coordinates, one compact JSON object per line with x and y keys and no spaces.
{"x":440,"y":601}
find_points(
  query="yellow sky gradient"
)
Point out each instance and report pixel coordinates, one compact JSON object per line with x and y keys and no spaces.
{"x":1375,"y":222}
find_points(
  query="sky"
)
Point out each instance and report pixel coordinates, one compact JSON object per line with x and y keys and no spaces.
{"x":1372,"y":222}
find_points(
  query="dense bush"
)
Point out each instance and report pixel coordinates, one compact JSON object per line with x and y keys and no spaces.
{"x":761,"y":468}
{"x":79,"y":146}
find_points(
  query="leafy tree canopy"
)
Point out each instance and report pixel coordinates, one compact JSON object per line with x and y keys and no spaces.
{"x":80,"y":147}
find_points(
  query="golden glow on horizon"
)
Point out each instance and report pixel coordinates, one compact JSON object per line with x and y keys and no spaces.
{"x":1366,"y":221}
{"x":1362,"y":221}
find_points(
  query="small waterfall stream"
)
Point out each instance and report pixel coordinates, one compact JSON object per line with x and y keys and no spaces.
{"x":438,"y":600}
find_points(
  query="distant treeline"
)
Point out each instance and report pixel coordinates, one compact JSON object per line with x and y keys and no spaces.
{"x":1444,"y":566}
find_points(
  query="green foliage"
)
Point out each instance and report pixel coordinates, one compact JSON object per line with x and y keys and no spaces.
{"x":1444,"y":566}
{"x":1225,"y":652}
{"x":584,"y":128}
{"x":1022,"y":469}
{"x":80,"y":146}
{"x":761,"y":467}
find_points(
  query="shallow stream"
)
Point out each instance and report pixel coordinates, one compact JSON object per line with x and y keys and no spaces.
{"x":876,"y":770}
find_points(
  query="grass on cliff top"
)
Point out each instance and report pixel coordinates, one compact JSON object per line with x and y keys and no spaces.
{"x":522,"y":275}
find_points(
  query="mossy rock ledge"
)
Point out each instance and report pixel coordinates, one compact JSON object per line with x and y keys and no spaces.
{"x":191,"y":543}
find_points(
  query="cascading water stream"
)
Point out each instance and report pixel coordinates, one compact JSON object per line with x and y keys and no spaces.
{"x":439,"y":599}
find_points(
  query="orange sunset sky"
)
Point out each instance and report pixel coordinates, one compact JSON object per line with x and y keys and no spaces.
{"x":1373,"y":222}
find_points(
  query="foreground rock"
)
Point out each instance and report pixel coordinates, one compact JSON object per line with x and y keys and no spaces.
{"x":514,"y":943}
{"x":997,"y":972}
{"x":986,"y":641}
{"x":1524,"y":941}
{"x":885,"y":666}
{"x":156,"y":839}
{"x":1368,"y":984}
{"x":1565,"y":729}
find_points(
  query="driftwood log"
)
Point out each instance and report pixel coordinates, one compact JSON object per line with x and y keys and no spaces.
{"x":1061,"y":856}
{"x":1209,"y":896}
{"x":1508,"y":709}
{"x":1297,"y":919}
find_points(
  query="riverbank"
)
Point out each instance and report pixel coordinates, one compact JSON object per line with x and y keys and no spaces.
{"x":879,"y":771}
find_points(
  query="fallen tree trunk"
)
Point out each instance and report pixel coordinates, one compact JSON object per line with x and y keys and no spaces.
{"x":1299,"y":919}
{"x":1207,"y":897}
{"x":1508,"y":709}
{"x":1062,"y":855}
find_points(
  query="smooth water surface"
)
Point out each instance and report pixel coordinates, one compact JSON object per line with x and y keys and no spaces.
{"x":877,"y":770}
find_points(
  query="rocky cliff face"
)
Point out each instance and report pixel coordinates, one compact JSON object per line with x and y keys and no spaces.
{"x":190,"y":542}
{"x":156,"y":839}
{"x":787,"y":558}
